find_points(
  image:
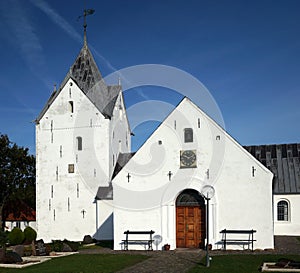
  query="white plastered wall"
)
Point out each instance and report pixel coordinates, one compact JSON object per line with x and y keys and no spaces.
{"x":147,"y":200}
{"x":291,"y":227}
{"x":65,"y":201}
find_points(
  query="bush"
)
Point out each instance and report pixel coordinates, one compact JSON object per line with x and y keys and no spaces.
{"x":16,"y":236}
{"x":3,"y":238}
{"x":30,"y":234}
{"x":73,"y":245}
{"x":57,"y":245}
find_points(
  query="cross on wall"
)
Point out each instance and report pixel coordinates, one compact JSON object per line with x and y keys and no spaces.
{"x":170,"y":175}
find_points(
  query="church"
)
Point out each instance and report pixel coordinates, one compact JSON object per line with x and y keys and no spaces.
{"x":90,"y":183}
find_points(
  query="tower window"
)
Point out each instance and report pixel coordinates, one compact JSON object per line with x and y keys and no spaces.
{"x":79,"y":143}
{"x":71,"y":106}
{"x":71,"y":168}
{"x":188,"y":135}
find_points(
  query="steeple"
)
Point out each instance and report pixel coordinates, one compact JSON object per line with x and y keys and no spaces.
{"x":87,"y":76}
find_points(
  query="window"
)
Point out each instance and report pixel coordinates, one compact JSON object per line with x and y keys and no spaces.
{"x":71,"y":168}
{"x":188,"y":135}
{"x":71,"y":106}
{"x":79,"y":143}
{"x":282,"y":211}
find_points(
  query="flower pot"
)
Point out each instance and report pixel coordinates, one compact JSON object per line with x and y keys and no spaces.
{"x":166,"y":247}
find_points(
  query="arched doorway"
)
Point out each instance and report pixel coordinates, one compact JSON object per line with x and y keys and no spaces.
{"x":190,"y":220}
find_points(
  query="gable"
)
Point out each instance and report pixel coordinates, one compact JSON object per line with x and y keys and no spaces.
{"x":85,"y":73}
{"x":208,"y":135}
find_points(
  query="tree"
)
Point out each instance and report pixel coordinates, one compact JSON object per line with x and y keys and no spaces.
{"x":17,"y":174}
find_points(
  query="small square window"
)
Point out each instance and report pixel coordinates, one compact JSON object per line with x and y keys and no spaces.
{"x":71,"y":168}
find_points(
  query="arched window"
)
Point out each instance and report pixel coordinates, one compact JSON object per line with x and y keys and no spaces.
{"x":283,"y":211}
{"x":79,"y":143}
{"x":190,"y":197}
{"x":188,"y":135}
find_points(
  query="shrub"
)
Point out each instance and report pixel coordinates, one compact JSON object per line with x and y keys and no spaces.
{"x":73,"y":245}
{"x":16,"y":236}
{"x":57,"y":245}
{"x":30,"y":234}
{"x":3,"y":238}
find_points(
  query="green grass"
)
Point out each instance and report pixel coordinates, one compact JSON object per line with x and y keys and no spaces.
{"x":239,"y":263}
{"x":82,"y":263}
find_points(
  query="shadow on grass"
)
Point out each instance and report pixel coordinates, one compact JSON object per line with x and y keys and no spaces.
{"x":106,"y":244}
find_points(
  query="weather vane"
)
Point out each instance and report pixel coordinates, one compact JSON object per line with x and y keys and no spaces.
{"x":86,"y":12}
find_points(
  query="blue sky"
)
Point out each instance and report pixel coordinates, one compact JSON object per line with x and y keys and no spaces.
{"x":246,"y":53}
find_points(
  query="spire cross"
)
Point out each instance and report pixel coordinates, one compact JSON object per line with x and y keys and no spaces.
{"x":86,"y":12}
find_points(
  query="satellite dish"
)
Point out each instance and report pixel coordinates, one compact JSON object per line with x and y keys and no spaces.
{"x":157,"y":239}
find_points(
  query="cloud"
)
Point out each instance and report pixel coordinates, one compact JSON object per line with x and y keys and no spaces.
{"x":57,"y":19}
{"x":24,"y":34}
{"x":65,"y":26}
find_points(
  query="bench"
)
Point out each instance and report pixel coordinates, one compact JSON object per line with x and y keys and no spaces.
{"x":148,"y":242}
{"x":248,"y":240}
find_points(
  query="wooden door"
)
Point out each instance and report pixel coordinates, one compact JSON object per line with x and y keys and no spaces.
{"x":190,"y":226}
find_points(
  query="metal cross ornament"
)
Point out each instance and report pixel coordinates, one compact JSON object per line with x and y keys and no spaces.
{"x":170,"y":175}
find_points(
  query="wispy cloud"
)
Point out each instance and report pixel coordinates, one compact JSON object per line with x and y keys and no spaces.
{"x":65,"y":26}
{"x":23,"y":34}
{"x":57,"y":19}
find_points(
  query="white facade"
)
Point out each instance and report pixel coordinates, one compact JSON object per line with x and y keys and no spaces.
{"x":147,"y":201}
{"x":288,"y":223}
{"x":74,"y":153}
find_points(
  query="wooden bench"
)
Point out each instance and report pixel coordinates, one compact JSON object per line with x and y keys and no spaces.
{"x":145,"y":241}
{"x":238,"y":241}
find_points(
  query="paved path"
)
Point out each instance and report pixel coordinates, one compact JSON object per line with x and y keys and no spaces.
{"x":167,"y":262}
{"x":181,"y":260}
{"x":177,"y":261}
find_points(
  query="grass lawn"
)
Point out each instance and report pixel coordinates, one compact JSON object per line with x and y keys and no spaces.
{"x":82,"y":263}
{"x":238,"y":263}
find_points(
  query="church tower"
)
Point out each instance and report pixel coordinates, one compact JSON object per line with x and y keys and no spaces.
{"x":80,"y":134}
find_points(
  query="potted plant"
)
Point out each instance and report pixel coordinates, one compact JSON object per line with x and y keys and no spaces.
{"x":166,"y":247}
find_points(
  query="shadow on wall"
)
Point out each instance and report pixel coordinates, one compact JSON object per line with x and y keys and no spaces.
{"x":105,"y":231}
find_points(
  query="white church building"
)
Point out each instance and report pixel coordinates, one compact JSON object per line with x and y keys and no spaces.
{"x":89,"y":182}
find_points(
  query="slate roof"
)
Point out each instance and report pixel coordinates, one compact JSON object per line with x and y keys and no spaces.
{"x":121,"y":162}
{"x":283,"y":160}
{"x":87,"y":76}
{"x":105,"y":193}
